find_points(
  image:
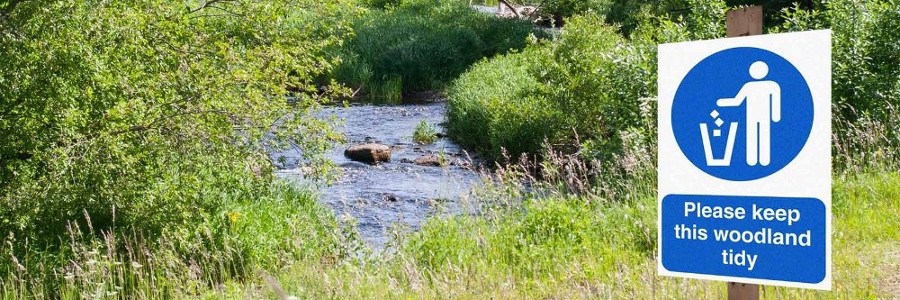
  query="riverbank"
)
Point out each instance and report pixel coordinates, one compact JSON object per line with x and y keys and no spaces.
{"x":587,"y":247}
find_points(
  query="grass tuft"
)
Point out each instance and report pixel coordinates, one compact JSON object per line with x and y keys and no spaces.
{"x":424,"y":133}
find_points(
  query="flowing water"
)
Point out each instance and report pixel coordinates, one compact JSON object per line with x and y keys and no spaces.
{"x":397,"y":194}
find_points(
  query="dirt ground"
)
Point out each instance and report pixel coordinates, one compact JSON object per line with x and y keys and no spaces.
{"x":890,"y":284}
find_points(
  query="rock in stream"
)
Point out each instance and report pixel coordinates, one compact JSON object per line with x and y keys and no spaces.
{"x":369,"y":153}
{"x":396,"y":193}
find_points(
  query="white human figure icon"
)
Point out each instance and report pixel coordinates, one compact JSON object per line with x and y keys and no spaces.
{"x":763,"y":106}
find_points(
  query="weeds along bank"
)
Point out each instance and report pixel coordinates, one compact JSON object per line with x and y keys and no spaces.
{"x":593,"y":90}
{"x":400,"y":47}
{"x":133,"y":139}
{"x":560,"y":244}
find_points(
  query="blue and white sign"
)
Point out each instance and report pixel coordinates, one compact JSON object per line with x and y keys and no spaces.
{"x":745,"y":159}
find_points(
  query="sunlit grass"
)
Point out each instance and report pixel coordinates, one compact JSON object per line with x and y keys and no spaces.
{"x":547,"y":243}
{"x":574,"y":247}
{"x":279,"y":226}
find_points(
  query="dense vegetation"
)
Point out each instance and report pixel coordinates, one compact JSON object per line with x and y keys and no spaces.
{"x":144,"y":125}
{"x":134,"y":139}
{"x":628,"y":14}
{"x":591,"y":85}
{"x":413,"y":46}
{"x":134,"y":135}
{"x":592,"y":89}
{"x":565,"y":246}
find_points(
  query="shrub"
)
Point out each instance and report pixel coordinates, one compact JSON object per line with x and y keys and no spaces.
{"x":149,"y":120}
{"x":865,"y":76}
{"x":601,"y":85}
{"x":597,"y":80}
{"x":568,"y":8}
{"x":381,"y":4}
{"x":586,"y":85}
{"x":625,"y":14}
{"x":596,"y":88}
{"x":499,"y":104}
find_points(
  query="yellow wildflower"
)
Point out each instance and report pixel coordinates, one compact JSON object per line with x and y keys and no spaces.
{"x":233,"y":216}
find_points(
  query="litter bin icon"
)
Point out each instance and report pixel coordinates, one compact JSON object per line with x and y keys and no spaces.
{"x":729,"y":144}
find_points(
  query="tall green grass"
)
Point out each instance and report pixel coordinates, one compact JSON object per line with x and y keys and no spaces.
{"x":557,"y":228}
{"x":555,"y":237}
{"x":550,"y":239}
{"x":269,"y":229}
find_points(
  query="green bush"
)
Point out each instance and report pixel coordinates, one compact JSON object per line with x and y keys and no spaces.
{"x":597,"y":86}
{"x":625,"y":14}
{"x":865,"y":76}
{"x":586,"y":85}
{"x":568,"y":8}
{"x":381,"y":4}
{"x":421,"y":45}
{"x":499,"y":104}
{"x":598,"y":79}
{"x":150,"y":120}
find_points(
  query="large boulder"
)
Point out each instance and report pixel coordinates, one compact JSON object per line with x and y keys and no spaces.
{"x":369,"y":153}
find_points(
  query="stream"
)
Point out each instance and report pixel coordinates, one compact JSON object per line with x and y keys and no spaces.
{"x":395,"y":194}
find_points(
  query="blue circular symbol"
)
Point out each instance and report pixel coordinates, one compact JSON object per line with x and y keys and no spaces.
{"x":742,"y":114}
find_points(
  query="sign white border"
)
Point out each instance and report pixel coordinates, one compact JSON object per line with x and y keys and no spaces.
{"x":808,"y":175}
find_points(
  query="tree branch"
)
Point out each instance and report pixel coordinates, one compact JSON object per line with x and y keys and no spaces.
{"x":513,"y":9}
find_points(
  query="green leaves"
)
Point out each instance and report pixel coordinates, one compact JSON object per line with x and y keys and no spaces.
{"x":588,"y":84}
{"x":147,"y":108}
{"x":424,"y":133}
{"x":866,"y":79}
{"x":420,"y":45}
